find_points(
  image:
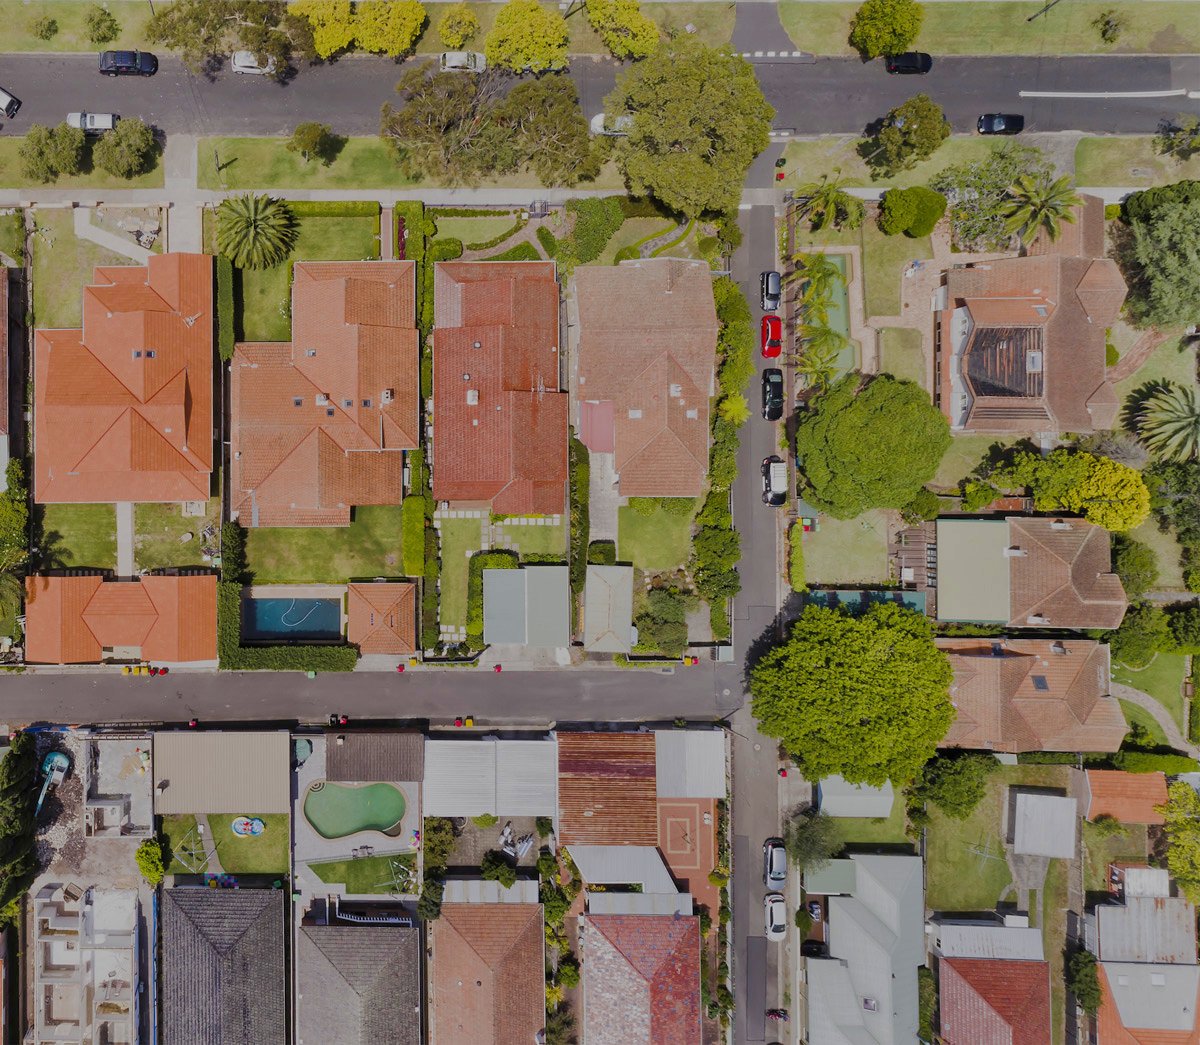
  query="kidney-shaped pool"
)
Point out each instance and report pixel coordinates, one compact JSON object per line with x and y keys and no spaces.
{"x":337,"y":810}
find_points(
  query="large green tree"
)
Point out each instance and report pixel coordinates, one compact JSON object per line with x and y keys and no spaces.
{"x":812,"y":839}
{"x":1165,"y":256}
{"x":867,"y":696}
{"x":549,"y":129}
{"x":1040,"y":203}
{"x":699,"y":119}
{"x":527,"y":36}
{"x":954,"y":783}
{"x":885,"y":27}
{"x":127,"y":150}
{"x":910,"y":132}
{"x":1182,"y":816}
{"x":255,"y":232}
{"x":1103,"y":491}
{"x":625,"y":30}
{"x":48,"y":152}
{"x":979,"y":196}
{"x":869,"y":445}
{"x":388,"y":27}
{"x":202,"y":29}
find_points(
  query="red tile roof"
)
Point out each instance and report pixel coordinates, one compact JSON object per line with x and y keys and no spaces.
{"x":500,"y":421}
{"x":607,"y":789}
{"x":352,"y":365}
{"x":123,"y":407}
{"x":1132,"y":798}
{"x":73,"y":620}
{"x":641,"y":979}
{"x":647,"y":348}
{"x":985,"y":1001}
{"x":383,"y":617}
{"x":488,"y":978}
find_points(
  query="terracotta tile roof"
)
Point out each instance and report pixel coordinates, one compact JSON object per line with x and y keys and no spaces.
{"x":1018,"y":695}
{"x":500,"y":421}
{"x":1111,"y":1030}
{"x":641,"y":979}
{"x":647,"y":346}
{"x":1082,"y":238}
{"x":1131,"y":798}
{"x":488,"y":974}
{"x":1064,"y":576}
{"x":607,"y":789}
{"x":985,"y":1001}
{"x":72,"y":620}
{"x":123,"y":407}
{"x":383,"y":617}
{"x":319,"y":423}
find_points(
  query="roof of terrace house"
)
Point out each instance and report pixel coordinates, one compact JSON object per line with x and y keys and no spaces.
{"x":608,"y":609}
{"x":123,"y":407}
{"x":319,"y":423}
{"x":990,"y":1001}
{"x":84,"y":619}
{"x":359,"y":757}
{"x":1131,"y":798}
{"x":487,"y":974}
{"x":641,"y":980}
{"x":1017,"y":695}
{"x":222,"y":772}
{"x":358,"y":985}
{"x":487,"y":776}
{"x":223,"y":966}
{"x":607,"y":789}
{"x":500,"y":419}
{"x":647,"y":348}
{"x":1026,"y":336}
{"x":383,"y":617}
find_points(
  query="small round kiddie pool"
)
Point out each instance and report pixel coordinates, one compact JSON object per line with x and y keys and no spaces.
{"x":337,"y":810}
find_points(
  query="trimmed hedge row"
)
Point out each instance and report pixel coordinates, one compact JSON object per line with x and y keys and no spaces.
{"x":463,"y":212}
{"x":524,"y":251}
{"x":581,"y":470}
{"x":334,"y":208}
{"x":412,"y":533}
{"x":496,"y":559}
{"x":548,"y":240}
{"x":438,"y":250}
{"x":225,"y":331}
{"x":233,"y":656}
{"x":412,"y":213}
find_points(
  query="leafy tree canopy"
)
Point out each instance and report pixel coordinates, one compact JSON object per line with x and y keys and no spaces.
{"x":313,"y":140}
{"x":1136,"y":564}
{"x":127,"y":150}
{"x":867,"y":696}
{"x":48,"y":152}
{"x":1182,"y":816}
{"x":625,"y":30}
{"x":527,"y":36}
{"x":332,"y":23}
{"x":388,"y":27}
{"x":885,"y":27}
{"x":699,"y":119}
{"x":1144,"y":632}
{"x":869,"y":446}
{"x":955,"y":784}
{"x":979,"y":194}
{"x":1084,"y":981}
{"x":201,"y":29}
{"x":812,"y":839}
{"x":910,"y":132}
{"x":1165,"y":254}
{"x":1103,"y":491}
{"x":458,"y":25}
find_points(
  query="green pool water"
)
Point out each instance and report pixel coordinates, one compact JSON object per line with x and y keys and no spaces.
{"x":337,"y":810}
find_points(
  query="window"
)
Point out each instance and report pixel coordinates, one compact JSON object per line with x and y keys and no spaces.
{"x":297,"y":401}
{"x":310,"y":352}
{"x":330,"y":412}
{"x":1041,"y":684}
{"x":137,"y":354}
{"x":150,"y":353}
{"x":366,"y":403}
{"x":347,"y":403}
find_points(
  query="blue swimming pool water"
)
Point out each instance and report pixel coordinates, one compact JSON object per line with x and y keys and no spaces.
{"x":291,"y":620}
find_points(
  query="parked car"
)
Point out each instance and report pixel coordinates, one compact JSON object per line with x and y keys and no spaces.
{"x":775,"y":481}
{"x":772,"y":337}
{"x":770,"y":290}
{"x":611,"y":127}
{"x":92,"y":122}
{"x":462,"y":62}
{"x":813,"y":949}
{"x":8,"y":103}
{"x":916,"y":63}
{"x":128,"y":63}
{"x":1001,"y":123}
{"x":772,"y":393}
{"x":774,"y":863}
{"x":246,"y":63}
{"x":815,"y":911}
{"x":775,"y":916}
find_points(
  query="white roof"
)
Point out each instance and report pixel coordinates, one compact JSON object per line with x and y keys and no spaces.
{"x":222,"y":772}
{"x":690,"y":763}
{"x":528,"y":607}
{"x":608,"y":609}
{"x":476,"y":890}
{"x":988,"y":940}
{"x":1045,"y":825}
{"x":838,"y":798}
{"x":1146,"y":881}
{"x":1154,"y":996}
{"x":623,"y":865}
{"x":501,"y":777}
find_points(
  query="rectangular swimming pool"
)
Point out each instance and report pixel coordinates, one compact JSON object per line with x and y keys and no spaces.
{"x":291,"y":620}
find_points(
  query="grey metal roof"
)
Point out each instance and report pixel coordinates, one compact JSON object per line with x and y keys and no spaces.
{"x":223,"y":966}
{"x":1044,"y":825}
{"x":973,"y":574}
{"x":358,"y":985}
{"x":1154,"y":997}
{"x":839,"y":798}
{"x":623,"y":865}
{"x":1147,"y":929}
{"x":504,"y":606}
{"x":988,"y":940}
{"x":359,"y":757}
{"x":608,"y":609}
{"x":222,"y":772}
{"x":526,"y":777}
{"x":639,"y":903}
{"x":503,"y":777}
{"x":690,"y":763}
{"x":547,"y":606}
{"x":476,"y":890}
{"x":834,"y":877}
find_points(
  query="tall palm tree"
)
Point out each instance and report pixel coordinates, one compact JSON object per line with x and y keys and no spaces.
{"x":1038,"y":202}
{"x":817,"y":358}
{"x":255,"y":232}
{"x":825,"y":203}
{"x":1169,"y":423}
{"x":818,"y":275}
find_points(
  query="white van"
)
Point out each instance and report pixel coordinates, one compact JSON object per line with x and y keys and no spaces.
{"x":8,"y":104}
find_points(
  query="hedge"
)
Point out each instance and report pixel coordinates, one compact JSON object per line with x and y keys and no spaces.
{"x":718,"y":620}
{"x":495,"y":241}
{"x":629,"y":253}
{"x":466,"y":212}
{"x":497,"y":559}
{"x":548,"y":241}
{"x":225,"y":332}
{"x":595,"y":222}
{"x":687,"y":231}
{"x":796,"y":557}
{"x":602,"y":553}
{"x":412,"y":534}
{"x":524,"y":251}
{"x":334,"y":208}
{"x":412,"y":212}
{"x":233,"y":656}
{"x":439,"y":250}
{"x":580,"y":521}
{"x":431,"y":634}
{"x":1153,"y":762}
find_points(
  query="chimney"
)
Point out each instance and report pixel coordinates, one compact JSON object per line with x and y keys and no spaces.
{"x":1060,"y":524}
{"x":1014,"y":552}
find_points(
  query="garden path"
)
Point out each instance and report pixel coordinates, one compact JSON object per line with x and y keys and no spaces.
{"x":84,"y":229}
{"x":1160,"y":714}
{"x":1131,"y":362}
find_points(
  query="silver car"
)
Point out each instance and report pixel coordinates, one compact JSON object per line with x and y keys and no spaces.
{"x":92,"y":122}
{"x":462,"y":62}
{"x":775,"y":917}
{"x":246,"y":63}
{"x":774,"y":863}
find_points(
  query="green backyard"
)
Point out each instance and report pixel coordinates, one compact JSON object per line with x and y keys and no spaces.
{"x":369,"y":547}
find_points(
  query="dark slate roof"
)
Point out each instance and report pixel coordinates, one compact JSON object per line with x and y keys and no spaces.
{"x":375,"y":757}
{"x":223,"y":959}
{"x":358,"y":985}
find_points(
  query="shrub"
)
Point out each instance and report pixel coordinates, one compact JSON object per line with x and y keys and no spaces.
{"x":1136,"y":564}
{"x":412,"y":535}
{"x":410,"y":221}
{"x":233,"y":552}
{"x":1111,"y":356}
{"x":924,"y":506}
{"x":149,"y":858}
{"x":804,"y":921}
{"x":44,"y":28}
{"x":545,"y":827}
{"x":885,"y":27}
{"x":548,"y":241}
{"x":568,"y":972}
{"x":580,"y":480}
{"x":596,"y":220}
{"x":485,"y":820}
{"x":429,"y":905}
{"x":100,"y":25}
{"x":897,"y":210}
{"x":1144,"y":632}
{"x":494,"y":867}
{"x":796,"y":557}
{"x":955,"y":784}
{"x":1084,"y":981}
{"x":226,"y":338}
{"x":1154,"y":762}
{"x":524,"y":251}
{"x":334,"y":208}
{"x":602,"y":553}
{"x":1185,"y":629}
{"x":930,"y":206}
{"x":1112,"y":211}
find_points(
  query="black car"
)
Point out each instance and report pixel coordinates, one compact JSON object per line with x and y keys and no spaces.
{"x":813,"y":949}
{"x":9,"y":104}
{"x":916,"y":63}
{"x":128,"y":63}
{"x":772,"y":393}
{"x":1001,"y":123}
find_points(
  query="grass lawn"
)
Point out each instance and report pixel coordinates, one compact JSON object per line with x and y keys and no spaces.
{"x":536,"y":540}
{"x":62,"y":264}
{"x":1166,"y":550}
{"x":18,"y":16}
{"x":965,"y":453}
{"x":713,"y":22}
{"x":266,"y":854}
{"x":884,"y":261}
{"x":654,"y":543}
{"x":1134,"y":713}
{"x":1170,"y":361}
{"x":460,"y":538}
{"x":368,"y":547}
{"x":629,"y":233}
{"x":1162,"y":679}
{"x":863,"y":831}
{"x":1053,"y":923}
{"x":847,"y":551}
{"x":372,"y":874}
{"x":266,"y":301}
{"x":176,"y":829}
{"x":808,"y":160}
{"x":902,"y":355}
{"x":158,"y":527}
{"x":86,"y":534}
{"x":1099,"y":852}
{"x":91,"y":177}
{"x":1128,"y":160}
{"x":475,"y":230}
{"x":12,"y":235}
{"x":1003,"y":28}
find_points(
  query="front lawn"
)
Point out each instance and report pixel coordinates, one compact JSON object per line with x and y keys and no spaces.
{"x":884,"y":260}
{"x":1166,"y":550}
{"x":369,"y":547}
{"x":475,"y":230}
{"x":62,"y":265}
{"x":1128,"y":161}
{"x":864,"y":831}
{"x":18,"y":16}
{"x":90,"y":177}
{"x":157,"y":531}
{"x":808,"y":160}
{"x":657,"y":543}
{"x":533,"y":538}
{"x":267,"y":853}
{"x":1162,"y":679}
{"x":1135,"y":714}
{"x":964,"y":456}
{"x":460,"y":539}
{"x":12,"y":235}
{"x":371,"y":874}
{"x":75,"y":535}
{"x":632,"y":231}
{"x":1130,"y":846}
{"x":902,"y":355}
{"x":847,"y":551}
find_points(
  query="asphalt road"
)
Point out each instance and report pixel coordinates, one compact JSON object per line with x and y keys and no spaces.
{"x":831,"y":95}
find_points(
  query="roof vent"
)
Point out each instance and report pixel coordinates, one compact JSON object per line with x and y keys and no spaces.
{"x":635,"y":415}
{"x":1060,"y":524}
{"x":477,"y":344}
{"x":310,"y":352}
{"x":474,"y":422}
{"x":1033,"y":362}
{"x":1157,"y":979}
{"x":1037,"y":618}
{"x":472,"y":397}
{"x":1058,"y":647}
{"x":466,"y":377}
{"x":1014,"y":552}
{"x":870,"y":1004}
{"x":693,"y":414}
{"x":676,"y":391}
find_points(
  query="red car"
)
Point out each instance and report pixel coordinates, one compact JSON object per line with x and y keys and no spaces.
{"x":772,"y":337}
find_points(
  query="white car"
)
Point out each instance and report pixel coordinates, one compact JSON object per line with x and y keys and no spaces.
{"x":618,"y":127}
{"x":92,"y":122}
{"x":461,"y":62}
{"x":246,"y":62}
{"x":775,"y":916}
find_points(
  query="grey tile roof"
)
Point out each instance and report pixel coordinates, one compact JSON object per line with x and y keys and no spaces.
{"x":223,"y":967}
{"x":358,"y":985}
{"x":374,"y":757}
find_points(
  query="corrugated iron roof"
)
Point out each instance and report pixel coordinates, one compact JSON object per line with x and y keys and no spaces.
{"x":222,"y":772}
{"x":607,"y":792}
{"x":690,"y":763}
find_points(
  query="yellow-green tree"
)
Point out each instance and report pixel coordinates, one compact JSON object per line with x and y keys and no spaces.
{"x":624,"y":29}
{"x":332,"y":24}
{"x":1181,"y":815}
{"x":458,"y":25}
{"x":388,"y":27}
{"x":527,"y":36}
{"x":1103,"y":491}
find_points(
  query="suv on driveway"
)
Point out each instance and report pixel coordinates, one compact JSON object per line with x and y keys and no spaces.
{"x":128,"y":63}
